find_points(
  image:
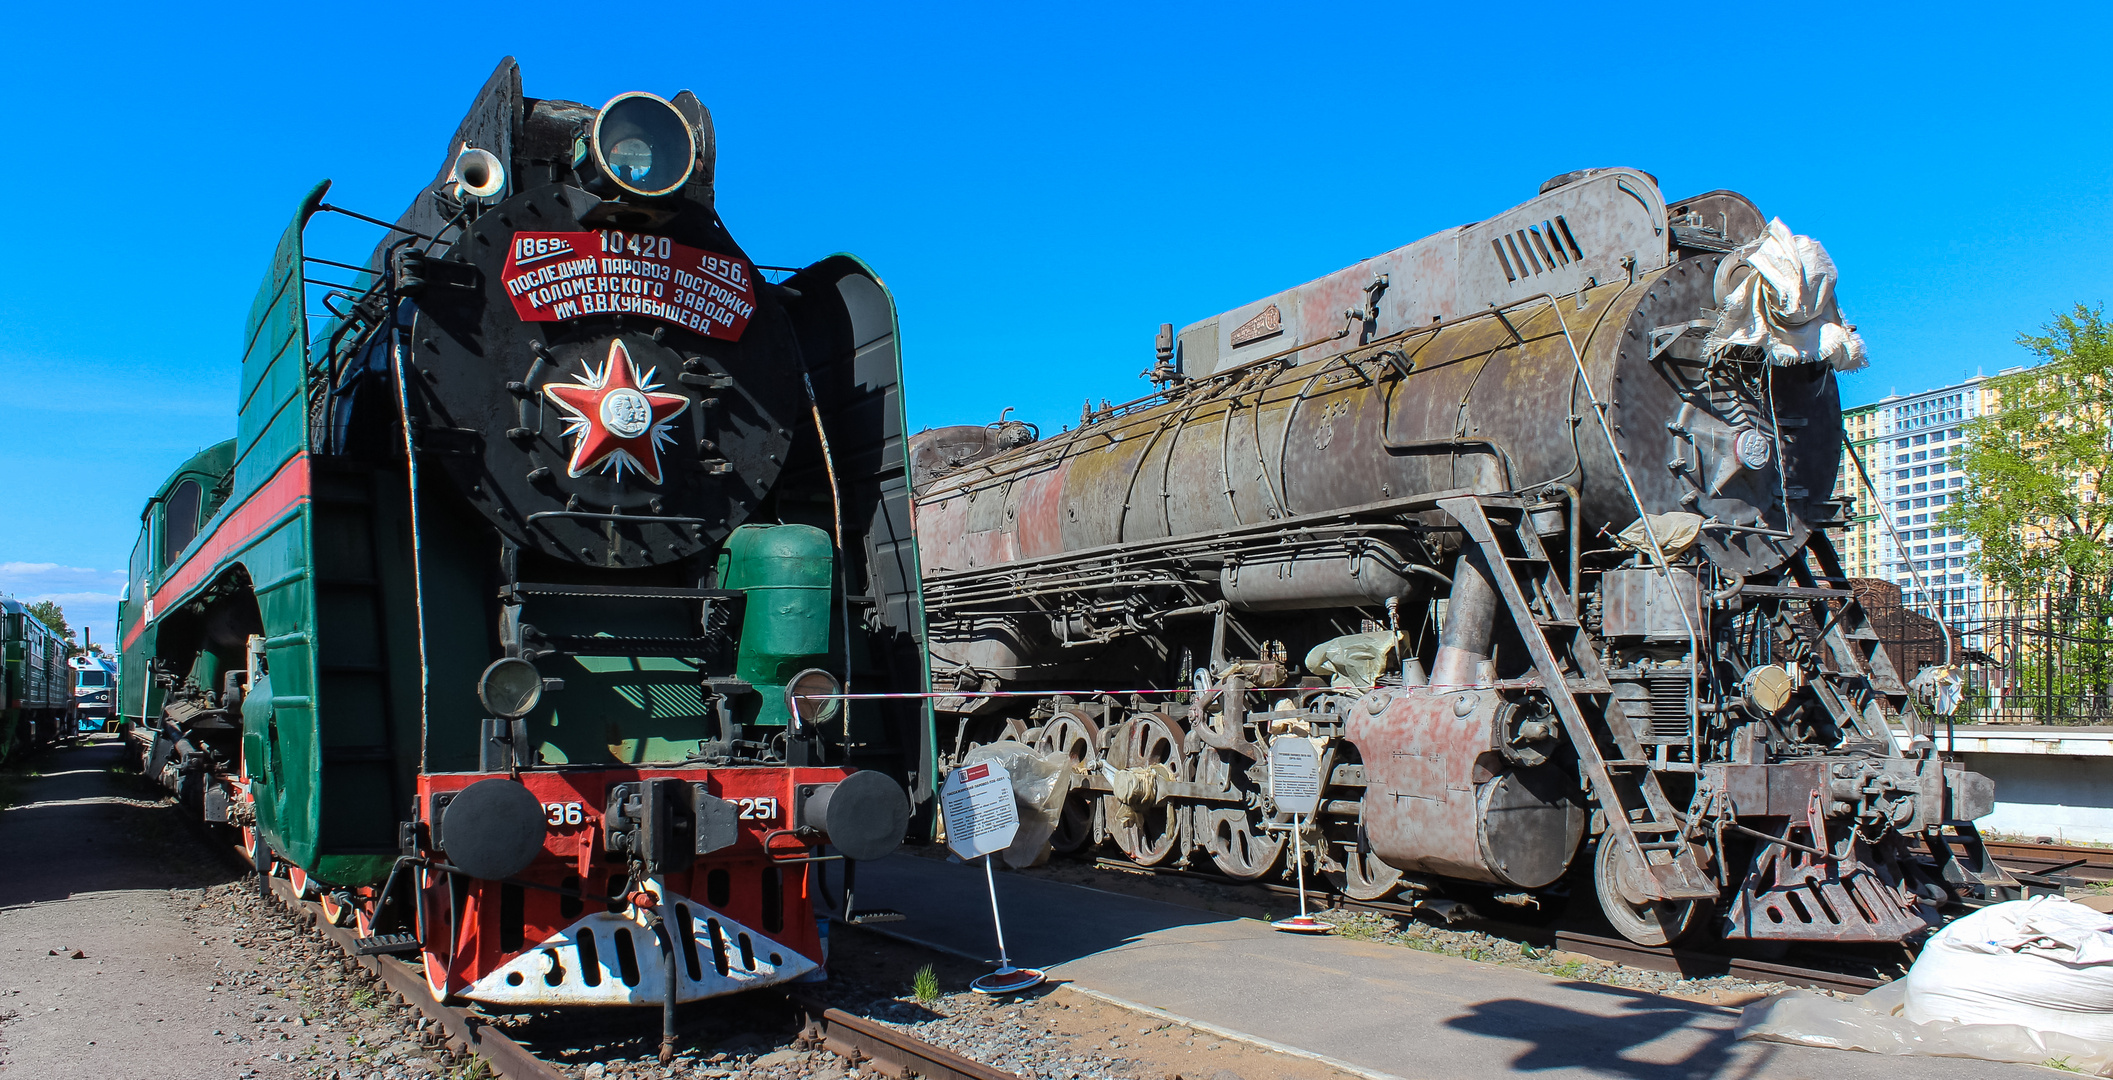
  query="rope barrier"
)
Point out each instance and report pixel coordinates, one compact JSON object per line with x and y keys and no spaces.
{"x":1055,"y":693}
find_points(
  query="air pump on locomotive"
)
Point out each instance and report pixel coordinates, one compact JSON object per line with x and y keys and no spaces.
{"x":1541,"y":507}
{"x":510,"y":622}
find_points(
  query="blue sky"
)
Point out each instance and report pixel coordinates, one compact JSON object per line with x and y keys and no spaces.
{"x":1041,"y":187}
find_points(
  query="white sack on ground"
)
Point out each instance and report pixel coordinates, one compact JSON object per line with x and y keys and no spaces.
{"x":2029,"y":981}
{"x":2043,"y":963}
{"x":1785,"y":306}
{"x":1039,"y":783}
{"x":1873,"y":1024}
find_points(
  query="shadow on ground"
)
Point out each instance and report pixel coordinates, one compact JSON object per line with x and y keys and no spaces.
{"x":76,"y":825}
{"x":1560,"y":1038}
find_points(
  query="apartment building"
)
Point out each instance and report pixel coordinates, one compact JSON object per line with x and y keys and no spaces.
{"x":1909,"y":445}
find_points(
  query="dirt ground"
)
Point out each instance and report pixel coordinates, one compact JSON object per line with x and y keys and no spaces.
{"x":1047,"y":1032}
{"x":129,"y":947}
{"x":100,"y":973}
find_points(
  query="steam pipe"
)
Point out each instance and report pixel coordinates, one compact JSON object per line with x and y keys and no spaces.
{"x":1470,"y":622}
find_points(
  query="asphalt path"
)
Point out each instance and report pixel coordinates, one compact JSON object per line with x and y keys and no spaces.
{"x":1380,"y":1007}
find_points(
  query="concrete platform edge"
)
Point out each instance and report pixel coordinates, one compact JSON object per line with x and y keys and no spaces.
{"x":897,"y":935}
{"x":1122,"y":1003}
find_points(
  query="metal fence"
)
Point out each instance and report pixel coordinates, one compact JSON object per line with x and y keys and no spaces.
{"x":2042,"y":660}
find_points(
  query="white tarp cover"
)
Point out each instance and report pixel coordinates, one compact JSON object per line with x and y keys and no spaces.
{"x":1676,"y":532}
{"x":1943,"y":686}
{"x":1354,"y":659}
{"x":2027,"y":981}
{"x":1786,"y":306}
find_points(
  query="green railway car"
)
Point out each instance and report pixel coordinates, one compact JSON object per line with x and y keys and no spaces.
{"x":36,"y":684}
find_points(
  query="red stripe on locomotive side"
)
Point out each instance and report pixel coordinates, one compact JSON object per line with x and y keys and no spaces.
{"x":287,"y":488}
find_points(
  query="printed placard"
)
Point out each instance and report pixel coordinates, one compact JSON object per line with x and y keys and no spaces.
{"x":551,"y":276}
{"x":1294,"y":774}
{"x":981,"y":816}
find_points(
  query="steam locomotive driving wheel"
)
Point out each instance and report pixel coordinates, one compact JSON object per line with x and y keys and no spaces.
{"x":1149,"y":827}
{"x":1078,"y":737}
{"x":1232,"y":833}
{"x":1617,"y":876}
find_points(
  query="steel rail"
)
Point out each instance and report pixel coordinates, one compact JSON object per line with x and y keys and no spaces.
{"x":889,"y":1051}
{"x":1686,"y":963}
{"x":506,"y":1057}
{"x":894,"y":1052}
{"x":2088,"y":865}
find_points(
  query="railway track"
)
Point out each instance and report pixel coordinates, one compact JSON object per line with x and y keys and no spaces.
{"x":858,"y":1040}
{"x":2085,"y":865}
{"x":1687,"y":963}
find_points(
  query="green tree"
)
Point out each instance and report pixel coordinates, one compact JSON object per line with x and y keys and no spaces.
{"x":2039,"y":468}
{"x":54,"y":619}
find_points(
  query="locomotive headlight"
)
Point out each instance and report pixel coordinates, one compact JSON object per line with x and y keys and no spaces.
{"x":808,"y":697}
{"x":510,"y":687}
{"x":642,"y":144}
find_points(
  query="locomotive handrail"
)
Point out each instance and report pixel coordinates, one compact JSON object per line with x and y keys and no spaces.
{"x":615,"y":592}
{"x":1120,"y":575}
{"x":1643,"y":516}
{"x":1496,"y":450}
{"x":592,"y":515}
{"x":375,"y":221}
{"x":1216,"y":379}
{"x":1914,"y":570}
{"x":1406,"y":503}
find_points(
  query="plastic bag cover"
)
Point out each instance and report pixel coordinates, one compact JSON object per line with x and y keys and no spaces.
{"x":1039,"y":783}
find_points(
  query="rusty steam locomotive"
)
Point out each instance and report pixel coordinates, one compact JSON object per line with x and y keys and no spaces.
{"x":1541,"y":507}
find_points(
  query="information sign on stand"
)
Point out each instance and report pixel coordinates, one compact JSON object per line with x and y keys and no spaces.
{"x":1295,"y":786}
{"x":981,"y":820}
{"x":1294,"y":774}
{"x":981,"y":816}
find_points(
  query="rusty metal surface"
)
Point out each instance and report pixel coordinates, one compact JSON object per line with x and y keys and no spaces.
{"x":1330,"y":462}
{"x":1646,"y":604}
{"x":882,"y":1049}
{"x":1441,"y":799}
{"x":1480,"y":409}
{"x":2084,"y":864}
{"x":1560,"y":241}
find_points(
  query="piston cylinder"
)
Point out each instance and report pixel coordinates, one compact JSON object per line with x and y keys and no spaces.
{"x":1441,"y":798}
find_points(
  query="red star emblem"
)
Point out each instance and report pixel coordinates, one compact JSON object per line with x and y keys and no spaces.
{"x":616,"y":419}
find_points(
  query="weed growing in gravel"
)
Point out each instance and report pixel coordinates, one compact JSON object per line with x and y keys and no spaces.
{"x":925,"y":985}
{"x":363,"y":997}
{"x":1361,"y":926}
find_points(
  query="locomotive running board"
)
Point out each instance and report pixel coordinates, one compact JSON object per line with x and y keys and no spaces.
{"x":1637,"y":813}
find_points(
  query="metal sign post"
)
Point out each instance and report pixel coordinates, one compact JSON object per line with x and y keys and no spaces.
{"x":1295,"y":786}
{"x":981,"y":819}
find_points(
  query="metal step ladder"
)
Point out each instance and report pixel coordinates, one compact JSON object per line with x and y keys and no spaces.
{"x":358,"y":747}
{"x":1565,"y":655}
